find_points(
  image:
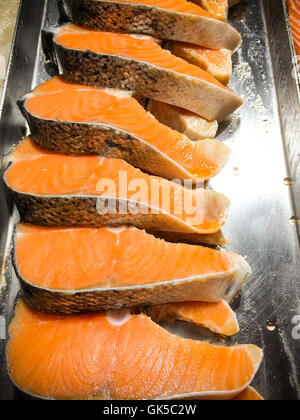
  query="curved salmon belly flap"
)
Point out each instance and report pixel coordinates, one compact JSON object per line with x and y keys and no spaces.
{"x":186,"y":122}
{"x":105,"y":262}
{"x":216,"y":62}
{"x":91,"y":356}
{"x":76,"y":119}
{"x":177,"y":20}
{"x":125,"y":61}
{"x":217,"y":317}
{"x":61,"y":190}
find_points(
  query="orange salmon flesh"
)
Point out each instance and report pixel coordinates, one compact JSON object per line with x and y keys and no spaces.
{"x":120,"y":356}
{"x":125,"y":45}
{"x":63,"y":101}
{"x":216,"y":62}
{"x":36,"y":171}
{"x":217,"y":8}
{"x":179,"y":6}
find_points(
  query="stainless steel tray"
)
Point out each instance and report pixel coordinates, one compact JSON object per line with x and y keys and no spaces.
{"x":262,"y":179}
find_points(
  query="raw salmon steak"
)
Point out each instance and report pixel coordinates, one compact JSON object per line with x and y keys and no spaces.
{"x":216,"y":316}
{"x":86,"y":269}
{"x":75,"y":119}
{"x":124,"y":61}
{"x":119,"y":356}
{"x":178,"y":20}
{"x":216,"y":62}
{"x":60,"y":190}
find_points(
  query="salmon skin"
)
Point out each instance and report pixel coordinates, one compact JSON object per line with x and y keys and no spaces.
{"x":178,"y":20}
{"x":216,"y":62}
{"x":71,"y":270}
{"x":123,"y":61}
{"x":113,"y":124}
{"x":216,"y":316}
{"x":59,"y":190}
{"x":119,"y":356}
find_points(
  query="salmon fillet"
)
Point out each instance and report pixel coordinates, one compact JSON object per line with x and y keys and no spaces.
{"x":105,"y":269}
{"x":116,"y":60}
{"x":76,"y":119}
{"x":216,"y":62}
{"x":37,"y":177}
{"x":120,"y":356}
{"x":217,"y":317}
{"x":176,"y":20}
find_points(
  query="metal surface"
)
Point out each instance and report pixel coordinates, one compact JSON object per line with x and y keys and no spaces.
{"x":262,"y":180}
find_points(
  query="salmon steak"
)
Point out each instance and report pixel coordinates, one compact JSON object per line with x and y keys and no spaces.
{"x":186,"y":122}
{"x":119,"y":356}
{"x":178,"y":20}
{"x":68,"y":270}
{"x":216,"y":62}
{"x":215,"y":316}
{"x":112,"y":123}
{"x":60,"y":190}
{"x":217,"y":8}
{"x":124,"y":61}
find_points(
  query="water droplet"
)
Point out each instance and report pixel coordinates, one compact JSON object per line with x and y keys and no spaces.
{"x":287,"y":181}
{"x":236,"y":171}
{"x":271,"y":326}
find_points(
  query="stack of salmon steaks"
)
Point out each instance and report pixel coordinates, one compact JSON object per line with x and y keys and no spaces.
{"x":119,"y":230}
